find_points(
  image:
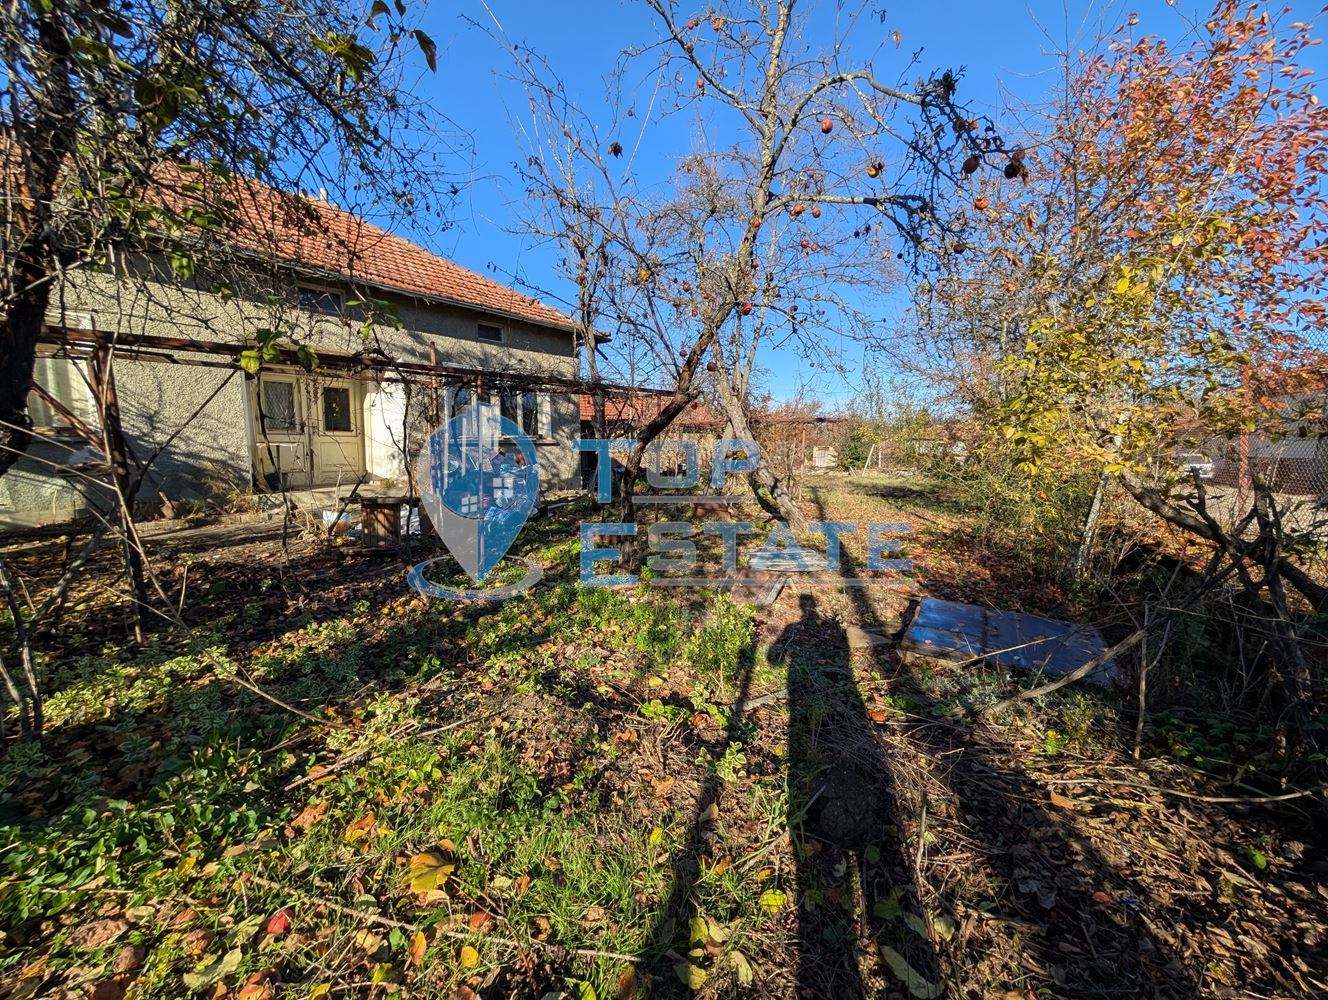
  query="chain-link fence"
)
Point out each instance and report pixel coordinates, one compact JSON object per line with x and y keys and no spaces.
{"x":1296,"y":466}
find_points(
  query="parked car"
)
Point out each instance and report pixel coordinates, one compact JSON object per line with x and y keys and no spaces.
{"x":1193,"y":461}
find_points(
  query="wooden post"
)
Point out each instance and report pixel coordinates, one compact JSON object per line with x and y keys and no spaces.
{"x":433,"y":387}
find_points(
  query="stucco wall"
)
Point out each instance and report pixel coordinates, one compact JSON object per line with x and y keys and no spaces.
{"x":210,"y":454}
{"x":33,"y":491}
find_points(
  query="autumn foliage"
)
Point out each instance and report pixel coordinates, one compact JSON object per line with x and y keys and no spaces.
{"x":1154,"y":280}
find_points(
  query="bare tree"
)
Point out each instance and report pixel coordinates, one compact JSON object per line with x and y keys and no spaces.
{"x":827,"y":174}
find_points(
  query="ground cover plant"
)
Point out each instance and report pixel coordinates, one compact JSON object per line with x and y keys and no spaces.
{"x":624,"y":792}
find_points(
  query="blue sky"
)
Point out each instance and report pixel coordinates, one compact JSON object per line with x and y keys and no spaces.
{"x":1006,"y":50}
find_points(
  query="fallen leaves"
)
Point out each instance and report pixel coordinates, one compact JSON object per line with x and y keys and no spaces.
{"x":215,"y":970}
{"x":279,"y":923}
{"x":428,"y":871}
{"x":918,"y":985}
{"x":694,"y":977}
{"x":1061,"y":802}
{"x":368,"y":942}
{"x":773,"y":900}
{"x":129,"y":957}
{"x":309,"y":816}
{"x":97,"y":933}
{"x":419,"y":944}
{"x":627,"y":984}
{"x":469,"y":957}
{"x":360,"y":829}
{"x":258,"y":986}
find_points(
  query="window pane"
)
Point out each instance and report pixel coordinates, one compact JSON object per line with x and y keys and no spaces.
{"x":508,"y":402}
{"x":323,"y":300}
{"x":279,"y":405}
{"x":493,"y":334}
{"x":336,"y":409}
{"x":61,"y":378}
{"x":545,"y":415}
{"x":530,"y":412}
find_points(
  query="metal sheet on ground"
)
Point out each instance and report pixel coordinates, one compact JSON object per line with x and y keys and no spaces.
{"x":1044,"y":645}
{"x":949,"y":630}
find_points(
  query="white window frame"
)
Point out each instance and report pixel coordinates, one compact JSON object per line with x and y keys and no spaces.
{"x":544,"y":416}
{"x":502,"y":333}
{"x":74,"y":393}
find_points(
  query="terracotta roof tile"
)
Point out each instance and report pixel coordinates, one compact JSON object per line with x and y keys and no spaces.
{"x":314,"y":234}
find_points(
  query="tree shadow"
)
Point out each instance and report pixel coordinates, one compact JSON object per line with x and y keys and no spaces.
{"x":1037,"y":897}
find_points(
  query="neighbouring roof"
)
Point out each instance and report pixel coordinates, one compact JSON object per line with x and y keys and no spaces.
{"x":640,"y":409}
{"x":313,"y":234}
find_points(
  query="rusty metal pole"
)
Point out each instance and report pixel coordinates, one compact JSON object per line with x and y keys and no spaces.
{"x":117,"y":457}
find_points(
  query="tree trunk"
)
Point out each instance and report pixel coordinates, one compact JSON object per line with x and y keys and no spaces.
{"x":735,"y":412}
{"x":1090,"y":530}
{"x":44,"y":143}
{"x":18,"y":346}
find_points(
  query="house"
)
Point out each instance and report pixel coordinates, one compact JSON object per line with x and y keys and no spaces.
{"x":626,"y":413}
{"x":403,"y":339}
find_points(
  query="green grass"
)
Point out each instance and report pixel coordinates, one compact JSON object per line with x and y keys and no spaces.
{"x":183,"y":812}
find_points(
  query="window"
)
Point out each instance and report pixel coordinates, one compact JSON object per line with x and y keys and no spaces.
{"x":65,"y":381}
{"x":528,"y":410}
{"x":278,"y":405}
{"x":489,"y":334}
{"x":322,"y":300}
{"x":336,"y":409}
{"x":457,"y":400}
{"x":545,"y":425}
{"x":530,"y":413}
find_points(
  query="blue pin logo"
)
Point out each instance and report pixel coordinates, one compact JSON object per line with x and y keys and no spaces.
{"x":479,"y":481}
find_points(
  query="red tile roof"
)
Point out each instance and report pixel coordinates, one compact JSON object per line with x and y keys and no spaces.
{"x":311,"y":233}
{"x":640,"y":409}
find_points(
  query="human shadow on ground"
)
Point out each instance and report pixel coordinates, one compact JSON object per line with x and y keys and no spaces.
{"x":845,"y":823}
{"x":667,"y":938}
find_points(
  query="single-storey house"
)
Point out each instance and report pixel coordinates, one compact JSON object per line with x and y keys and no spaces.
{"x":627,"y":413}
{"x":403,"y":338}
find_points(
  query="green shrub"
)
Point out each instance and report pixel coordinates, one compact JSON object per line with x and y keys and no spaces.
{"x":716,"y":649}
